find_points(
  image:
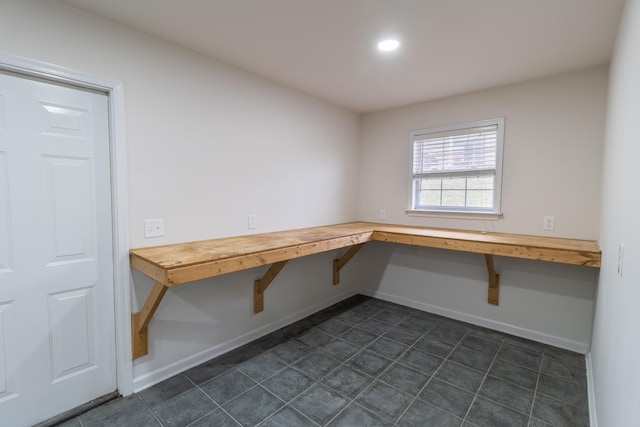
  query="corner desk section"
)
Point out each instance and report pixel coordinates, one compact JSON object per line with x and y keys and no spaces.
{"x":171,"y":265}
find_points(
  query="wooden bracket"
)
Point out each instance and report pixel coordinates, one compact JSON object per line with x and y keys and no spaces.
{"x":343,"y":260}
{"x":260,"y":285}
{"x":140,"y":320}
{"x":494,"y":281}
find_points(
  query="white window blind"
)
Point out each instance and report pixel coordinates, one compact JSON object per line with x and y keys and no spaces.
{"x":458,"y":167}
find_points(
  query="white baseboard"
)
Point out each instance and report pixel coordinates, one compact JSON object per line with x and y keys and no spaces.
{"x":578,"y":347}
{"x":593,"y":419}
{"x":151,"y":378}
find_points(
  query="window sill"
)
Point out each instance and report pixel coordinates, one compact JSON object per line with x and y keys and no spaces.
{"x":456,"y":214}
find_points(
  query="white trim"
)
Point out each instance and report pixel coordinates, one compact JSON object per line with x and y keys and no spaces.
{"x":455,"y":214}
{"x":575,"y":346}
{"x":591,"y":394}
{"x":122,"y":296}
{"x":154,"y":377}
{"x":497,"y":194}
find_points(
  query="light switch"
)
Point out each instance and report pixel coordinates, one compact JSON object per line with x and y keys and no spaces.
{"x":153,"y":228}
{"x":252,"y":221}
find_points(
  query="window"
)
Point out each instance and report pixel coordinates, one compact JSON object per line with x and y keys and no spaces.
{"x":458,"y":168}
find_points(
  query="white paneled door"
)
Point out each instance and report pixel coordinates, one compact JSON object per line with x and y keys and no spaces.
{"x":57,"y":334}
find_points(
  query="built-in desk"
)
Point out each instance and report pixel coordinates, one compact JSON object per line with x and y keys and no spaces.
{"x":171,"y":265}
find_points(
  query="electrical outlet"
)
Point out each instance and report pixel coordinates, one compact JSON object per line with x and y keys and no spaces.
{"x":382,"y":214}
{"x":252,"y":222}
{"x":549,"y":223}
{"x":620,"y":258}
{"x":153,"y":228}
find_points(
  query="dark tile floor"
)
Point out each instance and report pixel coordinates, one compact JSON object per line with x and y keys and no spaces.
{"x":366,"y":362}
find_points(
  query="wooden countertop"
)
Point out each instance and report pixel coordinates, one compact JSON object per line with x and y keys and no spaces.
{"x":186,"y":262}
{"x":171,"y":265}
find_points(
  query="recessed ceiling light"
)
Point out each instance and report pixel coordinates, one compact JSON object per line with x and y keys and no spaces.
{"x":388,"y":45}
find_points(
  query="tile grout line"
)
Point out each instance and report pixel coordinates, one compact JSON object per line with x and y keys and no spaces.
{"x":288,"y":402}
{"x":539,"y":373}
{"x":373,"y":310}
{"x":362,"y":349}
{"x":151,"y":411}
{"x":318,"y":382}
{"x":434,"y":372}
{"x":477,"y":393}
{"x":535,"y":391}
{"x":287,"y":365}
{"x":260,"y":382}
{"x":468,"y":332}
{"x":464,"y":419}
{"x":344,"y":363}
{"x":291,"y":407}
{"x":397,"y":360}
{"x":247,"y":391}
{"x":367,"y":347}
{"x":218,"y":406}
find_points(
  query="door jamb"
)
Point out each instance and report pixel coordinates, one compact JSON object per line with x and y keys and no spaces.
{"x":119,"y":205}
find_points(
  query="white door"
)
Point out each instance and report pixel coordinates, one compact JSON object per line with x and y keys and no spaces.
{"x":57,"y":334}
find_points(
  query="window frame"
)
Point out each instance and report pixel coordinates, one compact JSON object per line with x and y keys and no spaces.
{"x":490,"y":213}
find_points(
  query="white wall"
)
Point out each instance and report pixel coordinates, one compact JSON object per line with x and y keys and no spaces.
{"x":207,"y":145}
{"x":197,"y":128}
{"x":616,"y":338}
{"x":554,"y":129}
{"x":200,"y":320}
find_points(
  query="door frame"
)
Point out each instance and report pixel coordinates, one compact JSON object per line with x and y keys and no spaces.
{"x":119,"y":201}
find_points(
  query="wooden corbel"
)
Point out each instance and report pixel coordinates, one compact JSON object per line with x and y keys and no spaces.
{"x":140,"y":320}
{"x":260,"y":285}
{"x":494,"y":281}
{"x":343,"y":260}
